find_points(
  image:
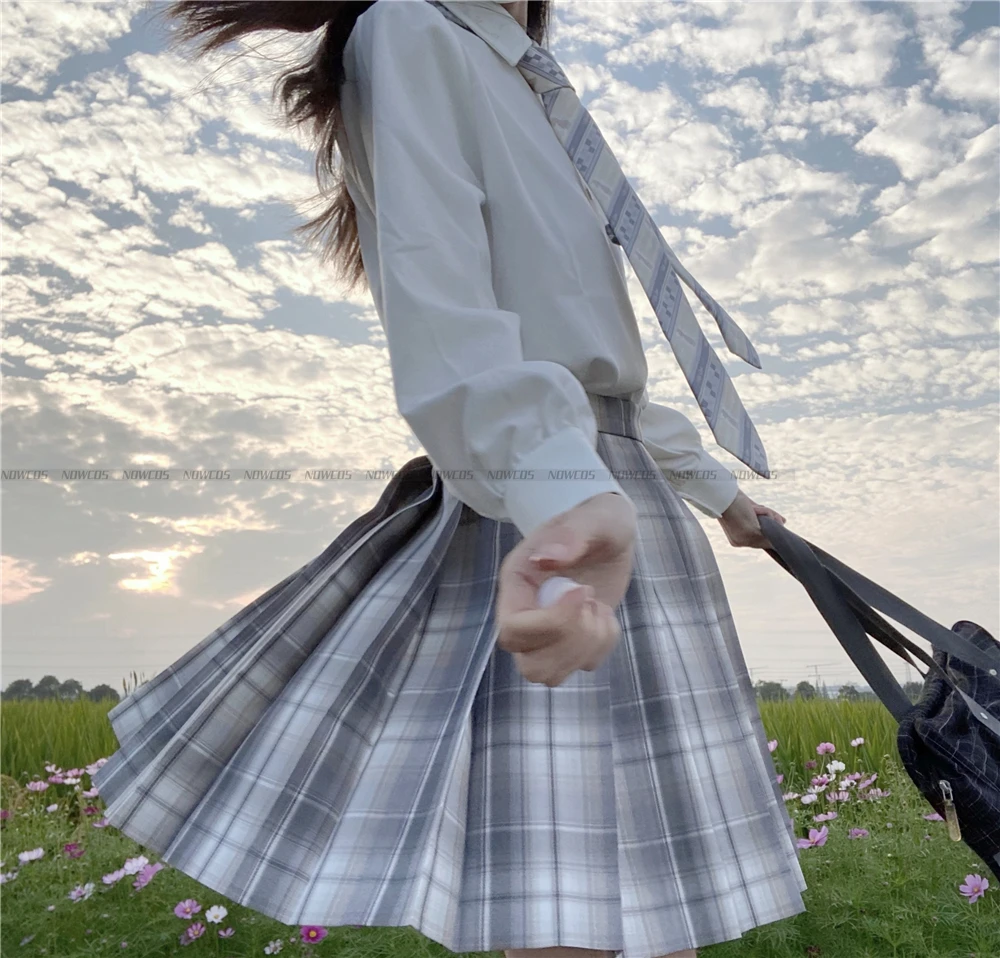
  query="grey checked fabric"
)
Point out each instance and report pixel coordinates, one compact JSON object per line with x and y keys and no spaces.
{"x":655,"y":264}
{"x":353,"y":748}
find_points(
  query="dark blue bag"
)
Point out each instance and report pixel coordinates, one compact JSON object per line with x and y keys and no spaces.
{"x":949,"y":739}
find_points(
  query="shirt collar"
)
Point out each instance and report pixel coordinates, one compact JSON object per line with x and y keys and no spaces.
{"x":494,"y":25}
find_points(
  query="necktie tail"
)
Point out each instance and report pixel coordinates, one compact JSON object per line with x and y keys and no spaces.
{"x":658,"y":269}
{"x":656,"y":266}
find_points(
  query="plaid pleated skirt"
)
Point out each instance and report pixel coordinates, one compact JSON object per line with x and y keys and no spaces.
{"x":352,"y":748}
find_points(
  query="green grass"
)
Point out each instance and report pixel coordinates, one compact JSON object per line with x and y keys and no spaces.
{"x":894,"y":894}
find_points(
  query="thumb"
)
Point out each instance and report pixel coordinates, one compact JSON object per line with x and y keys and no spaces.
{"x":557,"y":549}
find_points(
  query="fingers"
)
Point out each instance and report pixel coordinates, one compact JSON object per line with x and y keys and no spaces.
{"x":583,"y":649}
{"x":534,"y":628}
{"x":527,"y":566}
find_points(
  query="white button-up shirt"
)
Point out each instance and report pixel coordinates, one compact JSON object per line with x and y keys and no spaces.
{"x":504,"y":303}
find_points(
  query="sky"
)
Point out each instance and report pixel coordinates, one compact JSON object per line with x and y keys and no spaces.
{"x":828,"y":171}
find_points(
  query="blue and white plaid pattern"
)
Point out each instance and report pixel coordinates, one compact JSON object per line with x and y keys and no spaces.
{"x":654,"y":262}
{"x":353,"y":748}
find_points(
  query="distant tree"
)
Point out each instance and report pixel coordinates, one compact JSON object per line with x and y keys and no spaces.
{"x":47,"y":687}
{"x":70,"y":689}
{"x":100,"y":692}
{"x":19,"y":689}
{"x":913,"y":690}
{"x":805,"y":690}
{"x":771,"y":691}
{"x":848,"y":692}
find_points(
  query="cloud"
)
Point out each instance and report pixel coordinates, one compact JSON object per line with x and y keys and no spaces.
{"x":827,"y":171}
{"x":20,"y":580}
{"x":921,"y":139}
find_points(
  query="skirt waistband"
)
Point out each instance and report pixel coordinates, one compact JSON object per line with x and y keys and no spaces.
{"x":616,"y":416}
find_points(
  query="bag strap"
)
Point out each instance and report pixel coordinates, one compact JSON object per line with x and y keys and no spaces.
{"x":862,"y":589}
{"x":874,"y":624}
{"x":945,"y":639}
{"x":844,"y":611}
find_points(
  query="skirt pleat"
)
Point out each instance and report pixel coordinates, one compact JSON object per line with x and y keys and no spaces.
{"x":352,"y":748}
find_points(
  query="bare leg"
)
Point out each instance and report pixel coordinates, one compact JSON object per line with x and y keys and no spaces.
{"x":563,"y":952}
{"x":559,"y":951}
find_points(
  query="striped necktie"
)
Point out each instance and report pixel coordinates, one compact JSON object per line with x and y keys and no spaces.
{"x":657,"y":268}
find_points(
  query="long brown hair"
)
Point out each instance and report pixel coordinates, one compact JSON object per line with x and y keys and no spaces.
{"x":309,"y":92}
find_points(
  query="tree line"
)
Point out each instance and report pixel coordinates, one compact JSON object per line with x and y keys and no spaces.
{"x":776,"y":692}
{"x":49,"y":687}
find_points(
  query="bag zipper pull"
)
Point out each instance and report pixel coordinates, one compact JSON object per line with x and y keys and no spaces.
{"x":954,"y":832}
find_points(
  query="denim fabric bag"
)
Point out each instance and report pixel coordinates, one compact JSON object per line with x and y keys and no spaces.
{"x":949,"y":740}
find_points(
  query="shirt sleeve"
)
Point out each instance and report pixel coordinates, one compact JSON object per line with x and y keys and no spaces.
{"x":673,"y":442}
{"x":493,"y":423}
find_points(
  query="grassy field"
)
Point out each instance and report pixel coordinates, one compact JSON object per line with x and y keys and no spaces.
{"x":894,"y":892}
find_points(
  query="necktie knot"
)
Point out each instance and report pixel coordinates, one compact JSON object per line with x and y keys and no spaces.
{"x":540,"y":69}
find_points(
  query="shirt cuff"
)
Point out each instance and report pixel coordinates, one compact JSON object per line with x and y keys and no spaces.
{"x":554,"y":477}
{"x":711,"y":489}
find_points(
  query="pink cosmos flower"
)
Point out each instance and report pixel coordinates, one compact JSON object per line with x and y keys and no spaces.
{"x":145,"y":875}
{"x":772,"y":745}
{"x":820,"y":780}
{"x":133,"y":865}
{"x":858,"y":833}
{"x":91,"y":793}
{"x":824,"y":817}
{"x":857,"y":741}
{"x":4,"y":813}
{"x":934,"y":817}
{"x":91,"y":810}
{"x":868,"y":781}
{"x":312,"y":933}
{"x":780,"y":779}
{"x":195,"y":931}
{"x":73,"y":850}
{"x":975,"y":887}
{"x":82,"y":891}
{"x":825,"y":747}
{"x":114,"y":876}
{"x":187,"y":908}
{"x":103,"y":823}
{"x":228,"y":933}
{"x":812,"y":763}
{"x":37,"y":786}
{"x":815,"y":839}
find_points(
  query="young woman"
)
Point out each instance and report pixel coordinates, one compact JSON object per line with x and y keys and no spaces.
{"x":397,"y":734}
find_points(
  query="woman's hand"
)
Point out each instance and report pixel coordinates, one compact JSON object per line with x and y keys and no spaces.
{"x":597,"y":539}
{"x":741,"y":524}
